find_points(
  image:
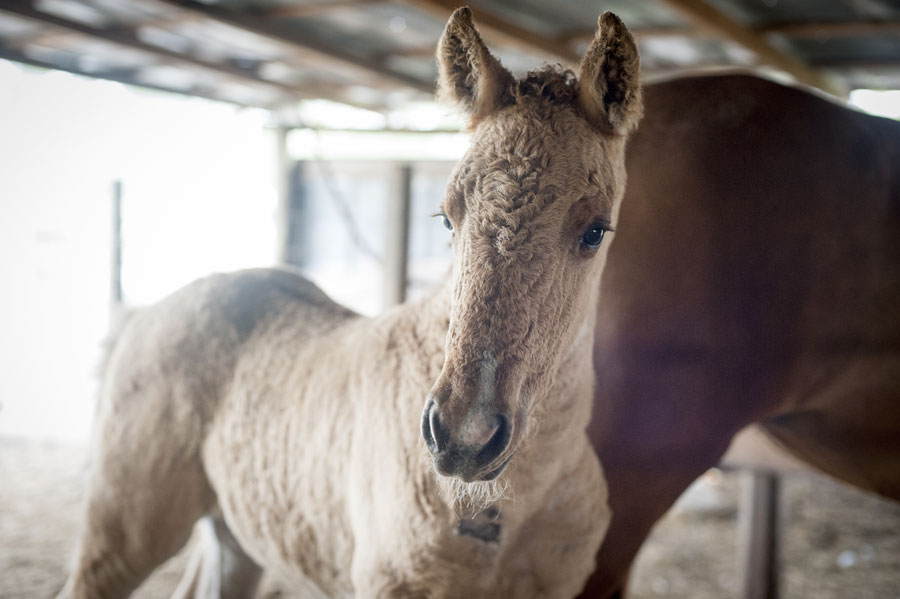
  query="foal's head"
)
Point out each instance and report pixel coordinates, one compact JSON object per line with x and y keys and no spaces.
{"x":528,"y":207}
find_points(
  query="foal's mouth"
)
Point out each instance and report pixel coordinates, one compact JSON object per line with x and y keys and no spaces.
{"x":468,"y":472}
{"x":488,"y":476}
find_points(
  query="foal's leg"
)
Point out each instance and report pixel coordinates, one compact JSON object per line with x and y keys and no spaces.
{"x":219,"y":568}
{"x":140,"y":511}
{"x":147,"y":489}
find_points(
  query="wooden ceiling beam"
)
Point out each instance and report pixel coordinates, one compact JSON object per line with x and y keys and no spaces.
{"x":45,"y":36}
{"x":308,"y":9}
{"x":411,"y":52}
{"x":792,"y":30}
{"x":130,"y":77}
{"x":118,"y":76}
{"x":871,"y":62}
{"x":842,"y":29}
{"x":638,"y":33}
{"x":269,"y":30}
{"x":499,"y":30}
{"x":711,"y":20}
{"x":128,"y":38}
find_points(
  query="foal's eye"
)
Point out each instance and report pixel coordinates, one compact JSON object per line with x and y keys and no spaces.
{"x":593,"y":237}
{"x":446,"y":221}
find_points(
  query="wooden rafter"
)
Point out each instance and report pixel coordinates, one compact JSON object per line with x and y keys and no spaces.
{"x":500,"y":30}
{"x":128,"y":38}
{"x":428,"y":51}
{"x":63,"y":29}
{"x":848,"y":29}
{"x":270,"y":30}
{"x":872,"y":62}
{"x":45,"y":36}
{"x":706,"y":18}
{"x":638,"y":32}
{"x":309,"y":9}
{"x":793,"y":30}
{"x":129,"y":78}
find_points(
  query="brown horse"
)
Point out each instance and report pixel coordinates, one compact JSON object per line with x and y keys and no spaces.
{"x":755,"y":276}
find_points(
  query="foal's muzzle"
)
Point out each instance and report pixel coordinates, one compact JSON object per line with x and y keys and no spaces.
{"x":469,"y":454}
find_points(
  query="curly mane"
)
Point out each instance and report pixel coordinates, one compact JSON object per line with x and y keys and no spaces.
{"x":552,"y":82}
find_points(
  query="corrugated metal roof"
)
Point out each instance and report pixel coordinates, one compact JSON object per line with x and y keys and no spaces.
{"x":379,"y":54}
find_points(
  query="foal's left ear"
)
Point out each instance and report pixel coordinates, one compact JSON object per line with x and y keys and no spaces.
{"x":469,"y":75}
{"x":609,"y":91}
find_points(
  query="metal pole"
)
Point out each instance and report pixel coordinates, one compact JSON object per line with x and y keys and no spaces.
{"x":115,"y":267}
{"x":758,"y":535}
{"x":284,"y":219}
{"x":396,"y":250}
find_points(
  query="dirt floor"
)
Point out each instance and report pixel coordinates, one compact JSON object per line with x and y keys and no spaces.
{"x":836,"y":542}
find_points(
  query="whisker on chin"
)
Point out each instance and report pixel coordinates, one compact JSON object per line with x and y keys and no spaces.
{"x":466,"y":499}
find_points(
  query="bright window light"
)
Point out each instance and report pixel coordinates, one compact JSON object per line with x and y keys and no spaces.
{"x":199,"y":196}
{"x":334,"y":115}
{"x":880,"y":103}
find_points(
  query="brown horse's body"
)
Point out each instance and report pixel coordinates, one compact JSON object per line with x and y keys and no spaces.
{"x":755,"y":276}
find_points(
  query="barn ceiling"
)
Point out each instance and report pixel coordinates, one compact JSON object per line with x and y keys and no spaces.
{"x":379,"y":54}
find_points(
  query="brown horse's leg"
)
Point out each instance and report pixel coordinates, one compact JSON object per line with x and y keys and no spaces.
{"x":219,"y":567}
{"x":618,"y":590}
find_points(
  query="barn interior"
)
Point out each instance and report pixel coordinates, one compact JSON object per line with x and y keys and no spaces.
{"x":146,"y":143}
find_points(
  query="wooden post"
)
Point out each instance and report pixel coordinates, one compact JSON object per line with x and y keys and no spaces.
{"x":396,"y":247}
{"x":758,"y":535}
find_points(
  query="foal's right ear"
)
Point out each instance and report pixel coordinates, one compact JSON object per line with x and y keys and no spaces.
{"x":609,"y":90}
{"x":469,"y":75}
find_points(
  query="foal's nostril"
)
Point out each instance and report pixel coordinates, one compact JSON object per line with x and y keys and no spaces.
{"x":498,"y":442}
{"x":435,"y":437}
